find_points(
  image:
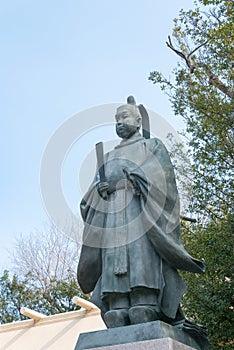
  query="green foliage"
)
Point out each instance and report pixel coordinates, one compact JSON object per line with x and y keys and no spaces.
{"x":16,"y":293}
{"x":57,"y":298}
{"x":202,"y":93}
{"x":209,"y":299}
{"x":12,"y":298}
{"x":211,"y":2}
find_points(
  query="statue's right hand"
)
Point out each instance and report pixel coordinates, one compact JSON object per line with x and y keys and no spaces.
{"x":102,"y":188}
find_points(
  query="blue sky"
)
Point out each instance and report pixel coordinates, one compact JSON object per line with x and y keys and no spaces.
{"x":59,"y":58}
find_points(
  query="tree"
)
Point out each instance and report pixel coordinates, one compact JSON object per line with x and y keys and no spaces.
{"x":202,"y":93}
{"x":13,"y":294}
{"x":209,"y":299}
{"x":16,"y":292}
{"x":46,"y":256}
{"x":45,"y":275}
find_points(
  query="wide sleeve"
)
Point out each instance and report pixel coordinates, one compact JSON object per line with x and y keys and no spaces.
{"x":161,"y":208}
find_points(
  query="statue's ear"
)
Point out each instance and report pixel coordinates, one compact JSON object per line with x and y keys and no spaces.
{"x":139,"y":120}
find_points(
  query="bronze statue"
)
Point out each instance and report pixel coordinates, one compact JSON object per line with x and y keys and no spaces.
{"x":132,"y":245}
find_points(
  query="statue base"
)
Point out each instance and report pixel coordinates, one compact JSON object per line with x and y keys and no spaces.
{"x":151,"y":335}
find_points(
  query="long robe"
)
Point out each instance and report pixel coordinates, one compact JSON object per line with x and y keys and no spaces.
{"x":133,"y":239}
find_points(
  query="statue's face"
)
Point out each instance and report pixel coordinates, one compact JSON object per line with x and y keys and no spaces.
{"x":127,"y":121}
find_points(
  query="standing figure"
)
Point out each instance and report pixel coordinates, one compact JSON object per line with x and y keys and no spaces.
{"x":132,"y":245}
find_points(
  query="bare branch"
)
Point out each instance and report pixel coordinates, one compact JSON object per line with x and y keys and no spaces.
{"x":171,"y":46}
{"x":181,"y":54}
{"x":197,"y":48}
{"x":213,"y":78}
{"x":46,"y":256}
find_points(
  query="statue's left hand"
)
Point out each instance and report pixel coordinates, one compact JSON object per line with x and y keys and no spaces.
{"x":102,"y":188}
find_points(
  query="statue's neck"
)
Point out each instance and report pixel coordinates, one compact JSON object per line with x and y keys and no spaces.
{"x":136,"y":135}
{"x":134,"y":138}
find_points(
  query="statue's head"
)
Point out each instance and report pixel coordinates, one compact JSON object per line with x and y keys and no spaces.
{"x":128,"y":120}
